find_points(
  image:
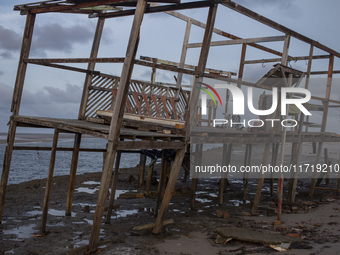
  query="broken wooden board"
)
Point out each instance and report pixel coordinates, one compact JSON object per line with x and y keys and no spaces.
{"x":246,"y":235}
{"x":152,"y":225}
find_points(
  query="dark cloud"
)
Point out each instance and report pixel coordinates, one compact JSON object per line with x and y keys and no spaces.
{"x":72,"y":94}
{"x":9,"y":39}
{"x":283,"y":4}
{"x":58,"y":38}
{"x":6,"y":55}
{"x":1,"y":72}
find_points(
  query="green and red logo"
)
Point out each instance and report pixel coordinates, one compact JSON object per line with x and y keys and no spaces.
{"x":204,"y":98}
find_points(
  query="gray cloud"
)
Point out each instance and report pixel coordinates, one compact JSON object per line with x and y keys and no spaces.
{"x":9,"y":39}
{"x":6,"y":55}
{"x":1,"y":72}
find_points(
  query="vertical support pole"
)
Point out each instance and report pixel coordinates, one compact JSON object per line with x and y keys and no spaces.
{"x":324,"y":120}
{"x":241,"y":68}
{"x":322,"y":174}
{"x":141,"y":170}
{"x":338,"y":179}
{"x":149,"y":178}
{"x":275,"y":151}
{"x":90,"y":67}
{"x":183,"y":55}
{"x":113,"y":188}
{"x":284,"y":60}
{"x":49,"y":182}
{"x":161,"y":182}
{"x":7,"y":164}
{"x":194,"y":180}
{"x":227,"y":149}
{"x":116,"y":121}
{"x":73,"y":172}
{"x":169,"y":189}
{"x":22,"y":67}
{"x":247,"y":162}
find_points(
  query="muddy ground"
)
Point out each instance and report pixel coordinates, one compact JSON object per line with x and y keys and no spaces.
{"x":316,"y":221}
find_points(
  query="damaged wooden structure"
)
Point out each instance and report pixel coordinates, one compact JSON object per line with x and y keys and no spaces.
{"x":115,"y":108}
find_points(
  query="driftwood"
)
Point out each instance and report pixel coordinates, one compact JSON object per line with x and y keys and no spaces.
{"x":152,"y":225}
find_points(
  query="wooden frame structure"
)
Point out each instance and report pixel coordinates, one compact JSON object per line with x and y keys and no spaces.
{"x":119,"y":138}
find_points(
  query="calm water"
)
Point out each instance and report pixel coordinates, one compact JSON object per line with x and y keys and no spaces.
{"x":30,"y":165}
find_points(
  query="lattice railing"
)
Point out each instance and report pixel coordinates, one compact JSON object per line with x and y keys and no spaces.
{"x":144,"y":98}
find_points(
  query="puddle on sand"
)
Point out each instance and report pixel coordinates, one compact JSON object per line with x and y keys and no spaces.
{"x":91,"y":183}
{"x":124,"y":213}
{"x":21,"y":232}
{"x":203,"y":200}
{"x":52,"y":212}
{"x":89,"y":221}
{"x":86,"y":190}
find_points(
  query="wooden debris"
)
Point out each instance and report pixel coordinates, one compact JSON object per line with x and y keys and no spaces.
{"x":152,"y":225}
{"x":130,"y":195}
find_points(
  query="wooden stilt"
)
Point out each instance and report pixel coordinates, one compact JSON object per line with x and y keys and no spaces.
{"x":247,"y":163}
{"x":241,"y":68}
{"x":114,"y":183}
{"x":261,"y":179}
{"x":161,"y":182}
{"x":169,"y":189}
{"x":149,"y":178}
{"x":322,"y":174}
{"x":116,"y":121}
{"x":338,"y":179}
{"x":275,"y":151}
{"x":227,"y":149}
{"x":141,"y":170}
{"x":194,"y":180}
{"x":324,"y":120}
{"x":6,"y":165}
{"x":73,"y":172}
{"x":49,"y":182}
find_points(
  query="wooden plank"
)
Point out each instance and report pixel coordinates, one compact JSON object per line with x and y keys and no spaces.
{"x":69,"y":68}
{"x":173,"y":104}
{"x":195,"y":175}
{"x":324,"y":121}
{"x":49,"y":182}
{"x":147,"y":105}
{"x":240,"y":41}
{"x":90,"y":67}
{"x":152,"y":225}
{"x":114,"y":184}
{"x":135,"y":95}
{"x":149,"y":178}
{"x":227,"y":150}
{"x":260,"y":61}
{"x":183,"y":55}
{"x":169,"y":189}
{"x":22,"y":66}
{"x":7,"y":164}
{"x":73,"y":171}
{"x":241,"y":68}
{"x":149,"y":145}
{"x":141,"y":170}
{"x":154,"y":99}
{"x":167,"y":114}
{"x":283,"y":29}
{"x":218,"y":31}
{"x":74,"y":60}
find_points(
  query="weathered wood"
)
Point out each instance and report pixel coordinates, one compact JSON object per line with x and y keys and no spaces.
{"x":7,"y":164}
{"x":149,"y":145}
{"x":149,"y":178}
{"x":283,"y":29}
{"x":260,"y":61}
{"x":161,"y":182}
{"x":183,"y":55}
{"x":247,"y":163}
{"x":275,"y":151}
{"x":38,"y":148}
{"x":73,"y":171}
{"x":169,"y":189}
{"x":69,"y":68}
{"x":324,"y":121}
{"x":322,"y":174}
{"x":49,"y":182}
{"x":114,"y":183}
{"x":227,"y":150}
{"x":141,"y":170}
{"x":241,"y":68}
{"x":152,"y":225}
{"x":74,"y":60}
{"x":90,"y":67}
{"x":22,"y":66}
{"x":195,"y":175}
{"x":240,"y":41}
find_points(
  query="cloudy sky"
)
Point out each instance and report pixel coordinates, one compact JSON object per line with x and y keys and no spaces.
{"x":56,"y":93}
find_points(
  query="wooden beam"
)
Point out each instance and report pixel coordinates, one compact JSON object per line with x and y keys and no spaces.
{"x":218,"y":31}
{"x":277,"y":26}
{"x":241,"y":68}
{"x":144,"y":145}
{"x":21,"y":73}
{"x":260,"y":61}
{"x":116,"y":121}
{"x":240,"y":41}
{"x":155,"y":9}
{"x":90,"y":68}
{"x":74,"y":60}
{"x":69,"y":68}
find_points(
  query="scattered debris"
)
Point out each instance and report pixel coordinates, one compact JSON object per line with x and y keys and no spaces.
{"x":280,"y":247}
{"x":222,"y":240}
{"x":276,"y":222}
{"x":152,"y":225}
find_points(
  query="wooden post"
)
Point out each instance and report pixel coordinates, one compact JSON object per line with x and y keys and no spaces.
{"x":90,"y":67}
{"x":275,"y":151}
{"x":169,"y":189}
{"x":247,"y":163}
{"x":161,"y":182}
{"x":153,"y":74}
{"x":114,"y":183}
{"x":241,"y":68}
{"x":7,"y":164}
{"x":227,"y":149}
{"x":73,"y":172}
{"x":322,"y":174}
{"x":291,"y":196}
{"x":49,"y":182}
{"x":324,"y":121}
{"x":183,"y":55}
{"x":22,"y":67}
{"x":149,"y":178}
{"x":116,"y":121}
{"x":338,"y":180}
{"x":141,"y":170}
{"x":194,"y":179}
